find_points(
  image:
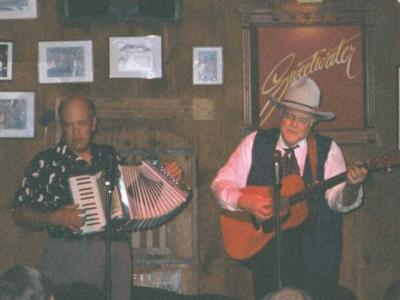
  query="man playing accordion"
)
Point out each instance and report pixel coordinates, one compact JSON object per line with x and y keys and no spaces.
{"x":44,"y":202}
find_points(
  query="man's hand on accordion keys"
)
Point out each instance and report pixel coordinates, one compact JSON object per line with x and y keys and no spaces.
{"x":69,"y":216}
{"x":173,"y":169}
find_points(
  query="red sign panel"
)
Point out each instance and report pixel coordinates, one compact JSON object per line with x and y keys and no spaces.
{"x":330,"y":55}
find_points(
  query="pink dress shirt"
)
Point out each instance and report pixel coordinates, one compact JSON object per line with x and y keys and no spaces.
{"x":233,"y":175}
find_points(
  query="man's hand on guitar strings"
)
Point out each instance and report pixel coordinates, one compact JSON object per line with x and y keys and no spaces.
{"x":259,"y":206}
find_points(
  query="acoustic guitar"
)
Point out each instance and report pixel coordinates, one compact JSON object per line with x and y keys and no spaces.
{"x":243,"y":236}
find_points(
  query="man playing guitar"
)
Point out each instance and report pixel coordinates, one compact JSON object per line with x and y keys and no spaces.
{"x":311,"y":248}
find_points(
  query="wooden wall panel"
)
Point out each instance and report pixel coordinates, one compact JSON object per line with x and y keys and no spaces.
{"x":370,"y":234}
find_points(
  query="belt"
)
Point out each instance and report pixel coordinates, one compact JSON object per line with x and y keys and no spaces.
{"x":95,"y":236}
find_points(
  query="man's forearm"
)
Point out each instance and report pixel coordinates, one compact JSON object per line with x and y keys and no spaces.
{"x":350,"y":193}
{"x":27,"y":217}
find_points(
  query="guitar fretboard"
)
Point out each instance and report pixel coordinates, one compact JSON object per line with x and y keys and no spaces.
{"x":317,"y":188}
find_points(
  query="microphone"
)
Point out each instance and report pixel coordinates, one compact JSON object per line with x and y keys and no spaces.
{"x":110,"y":172}
{"x":276,"y":156}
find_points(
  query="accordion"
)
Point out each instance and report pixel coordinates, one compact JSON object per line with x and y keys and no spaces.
{"x":145,"y":197}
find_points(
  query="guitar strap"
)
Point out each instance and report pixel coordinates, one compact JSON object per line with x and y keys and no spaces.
{"x":312,"y":155}
{"x":313,"y":159}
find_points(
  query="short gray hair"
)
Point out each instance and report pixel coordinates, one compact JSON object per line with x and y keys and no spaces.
{"x":288,"y":294}
{"x":63,"y":104}
{"x":24,"y":283}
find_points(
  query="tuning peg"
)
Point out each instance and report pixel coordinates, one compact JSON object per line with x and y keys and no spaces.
{"x":387,"y":169}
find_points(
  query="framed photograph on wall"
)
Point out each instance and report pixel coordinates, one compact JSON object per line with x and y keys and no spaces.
{"x":18,"y":9}
{"x":135,"y":57}
{"x":398,"y":113}
{"x":207,"y":65}
{"x":65,"y":61}
{"x":17,"y":111}
{"x":6,"y":57}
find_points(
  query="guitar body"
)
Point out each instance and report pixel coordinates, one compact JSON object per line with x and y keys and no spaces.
{"x":242,"y":238}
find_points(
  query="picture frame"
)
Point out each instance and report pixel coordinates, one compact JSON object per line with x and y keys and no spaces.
{"x":6,"y":60}
{"x":18,"y":9}
{"x":135,"y":57}
{"x":65,"y":61}
{"x":398,"y":112}
{"x":347,"y":28}
{"x":17,"y":111}
{"x":75,"y":12}
{"x":207,"y":65}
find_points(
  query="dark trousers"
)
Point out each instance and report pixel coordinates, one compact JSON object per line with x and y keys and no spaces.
{"x":322,"y":285}
{"x":293,"y":273}
{"x":67,"y":261}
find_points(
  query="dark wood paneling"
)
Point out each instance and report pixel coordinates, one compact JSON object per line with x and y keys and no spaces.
{"x":370,"y":238}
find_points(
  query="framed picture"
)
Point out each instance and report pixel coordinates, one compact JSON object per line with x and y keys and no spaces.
{"x":334,"y":50}
{"x":65,"y":61}
{"x":18,"y":9}
{"x":398,"y":97}
{"x":135,"y":57}
{"x":207,"y":65}
{"x":17,"y":111}
{"x":6,"y":57}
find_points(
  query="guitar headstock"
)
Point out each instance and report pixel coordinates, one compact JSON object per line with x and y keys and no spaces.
{"x":384,"y":163}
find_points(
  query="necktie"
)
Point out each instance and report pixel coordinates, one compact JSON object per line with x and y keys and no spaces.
{"x":289,"y":162}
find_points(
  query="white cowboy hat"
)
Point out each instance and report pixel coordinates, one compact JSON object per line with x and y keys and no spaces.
{"x":304,"y":95}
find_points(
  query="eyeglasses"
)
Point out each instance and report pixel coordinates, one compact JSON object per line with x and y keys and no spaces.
{"x":300,"y":120}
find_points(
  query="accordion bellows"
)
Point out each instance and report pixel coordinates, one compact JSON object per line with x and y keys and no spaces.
{"x":144,"y":198}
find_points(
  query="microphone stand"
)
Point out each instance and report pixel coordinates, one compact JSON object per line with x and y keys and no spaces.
{"x":109,"y":183}
{"x":277,"y":200}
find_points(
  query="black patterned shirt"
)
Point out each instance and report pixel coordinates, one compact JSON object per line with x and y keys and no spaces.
{"x":45,"y":186}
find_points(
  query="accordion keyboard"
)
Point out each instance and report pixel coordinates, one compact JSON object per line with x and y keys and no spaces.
{"x":85,"y":192}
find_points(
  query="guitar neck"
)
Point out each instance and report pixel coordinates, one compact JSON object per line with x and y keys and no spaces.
{"x":317,"y":188}
{"x":372,"y":165}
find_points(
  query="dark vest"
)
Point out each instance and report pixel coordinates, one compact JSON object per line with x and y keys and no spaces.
{"x":321,"y":238}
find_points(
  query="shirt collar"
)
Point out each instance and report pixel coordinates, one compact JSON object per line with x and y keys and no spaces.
{"x":63,"y":148}
{"x":282,"y":145}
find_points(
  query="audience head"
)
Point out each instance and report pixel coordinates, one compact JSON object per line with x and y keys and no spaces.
{"x":287,"y":294}
{"x":345,"y":293}
{"x":24,"y":283}
{"x":393,"y":291}
{"x":78,"y":291}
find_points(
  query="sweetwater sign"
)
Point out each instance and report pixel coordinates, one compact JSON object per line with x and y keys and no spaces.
{"x":331,"y":55}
